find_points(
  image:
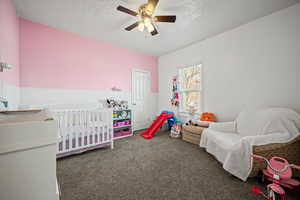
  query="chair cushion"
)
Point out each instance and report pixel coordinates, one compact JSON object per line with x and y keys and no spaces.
{"x":218,"y":143}
{"x":226,"y":140}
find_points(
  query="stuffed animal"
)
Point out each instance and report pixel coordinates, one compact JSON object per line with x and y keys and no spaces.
{"x":209,"y":117}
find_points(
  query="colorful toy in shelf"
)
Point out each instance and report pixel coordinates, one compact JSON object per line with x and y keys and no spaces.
{"x":127,"y":122}
{"x":176,"y":129}
{"x":122,"y":123}
{"x":175,"y":94}
{"x":118,"y":124}
{"x":122,"y":133}
{"x":122,"y":114}
{"x":150,"y":132}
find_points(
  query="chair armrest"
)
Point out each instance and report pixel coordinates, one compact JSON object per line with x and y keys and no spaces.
{"x":274,"y":146}
{"x":289,"y":151}
{"x":224,"y":126}
{"x":268,"y":147}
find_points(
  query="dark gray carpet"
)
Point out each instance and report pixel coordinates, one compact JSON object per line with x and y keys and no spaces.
{"x":158,"y":169}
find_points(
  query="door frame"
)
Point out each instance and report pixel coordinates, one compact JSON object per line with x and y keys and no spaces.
{"x":132,"y":92}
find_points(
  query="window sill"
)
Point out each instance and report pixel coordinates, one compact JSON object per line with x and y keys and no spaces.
{"x":184,"y":113}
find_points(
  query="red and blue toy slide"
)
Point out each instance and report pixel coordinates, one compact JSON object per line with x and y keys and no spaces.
{"x":150,"y":132}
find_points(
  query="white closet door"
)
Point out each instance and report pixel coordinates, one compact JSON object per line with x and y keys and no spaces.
{"x":140,"y":99}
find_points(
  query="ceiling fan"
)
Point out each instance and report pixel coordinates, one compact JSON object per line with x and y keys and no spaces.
{"x":146,"y":18}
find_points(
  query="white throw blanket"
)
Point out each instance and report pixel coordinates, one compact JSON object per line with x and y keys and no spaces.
{"x":274,"y":125}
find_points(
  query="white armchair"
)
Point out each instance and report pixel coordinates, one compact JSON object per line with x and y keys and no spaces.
{"x":232,"y":143}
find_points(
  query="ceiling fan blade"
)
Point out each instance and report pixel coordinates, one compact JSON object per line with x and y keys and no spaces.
{"x":155,"y":32}
{"x":126,"y":10}
{"x":169,"y":19}
{"x":129,"y":28}
{"x":152,"y":4}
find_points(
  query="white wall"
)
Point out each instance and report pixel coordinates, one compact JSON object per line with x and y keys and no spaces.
{"x":31,"y":98}
{"x":47,"y":97}
{"x":257,"y":64}
{"x":36,"y":97}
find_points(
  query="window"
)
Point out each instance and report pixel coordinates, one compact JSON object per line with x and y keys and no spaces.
{"x":190,"y":91}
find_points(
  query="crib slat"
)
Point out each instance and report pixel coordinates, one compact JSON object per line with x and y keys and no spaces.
{"x":70,"y":130}
{"x":89,"y":128}
{"x":99,"y":128}
{"x":62,"y":133}
{"x":59,"y":117}
{"x":86,"y":119}
{"x":96,"y":128}
{"x":81,"y":129}
{"x":110,"y":123}
{"x":77,"y":128}
{"x":64,"y":124}
{"x":104,"y":129}
{"x":92,"y":128}
{"x":107,"y":124}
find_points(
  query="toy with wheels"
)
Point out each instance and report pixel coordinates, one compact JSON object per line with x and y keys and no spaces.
{"x":279,"y":173}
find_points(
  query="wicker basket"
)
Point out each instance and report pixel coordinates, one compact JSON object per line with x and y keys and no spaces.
{"x":290,"y":151}
{"x":192,"y":134}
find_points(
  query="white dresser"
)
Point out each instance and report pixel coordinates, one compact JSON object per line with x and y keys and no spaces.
{"x":28,"y":160}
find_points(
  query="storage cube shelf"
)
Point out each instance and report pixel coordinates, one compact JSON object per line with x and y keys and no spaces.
{"x":122,"y":123}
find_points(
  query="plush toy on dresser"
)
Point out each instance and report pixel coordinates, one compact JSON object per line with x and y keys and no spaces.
{"x":117,"y":105}
{"x":3,"y":104}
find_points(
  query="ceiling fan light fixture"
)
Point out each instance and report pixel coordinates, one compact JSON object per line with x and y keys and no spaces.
{"x":141,"y":26}
{"x":147,"y":21}
{"x":150,"y":28}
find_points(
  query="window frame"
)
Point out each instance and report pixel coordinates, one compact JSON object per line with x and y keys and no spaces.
{"x":181,"y":91}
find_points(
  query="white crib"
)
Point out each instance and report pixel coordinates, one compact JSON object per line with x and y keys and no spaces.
{"x":81,"y":130}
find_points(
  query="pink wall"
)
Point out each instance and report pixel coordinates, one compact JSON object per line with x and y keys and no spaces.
{"x":9,"y":41}
{"x":51,"y":58}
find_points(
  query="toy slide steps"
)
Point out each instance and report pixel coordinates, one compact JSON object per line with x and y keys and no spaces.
{"x":150,"y":132}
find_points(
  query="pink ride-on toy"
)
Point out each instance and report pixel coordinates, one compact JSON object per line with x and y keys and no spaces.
{"x":279,"y":172}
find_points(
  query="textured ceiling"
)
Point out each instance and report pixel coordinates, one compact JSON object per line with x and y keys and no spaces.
{"x":196,"y":19}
